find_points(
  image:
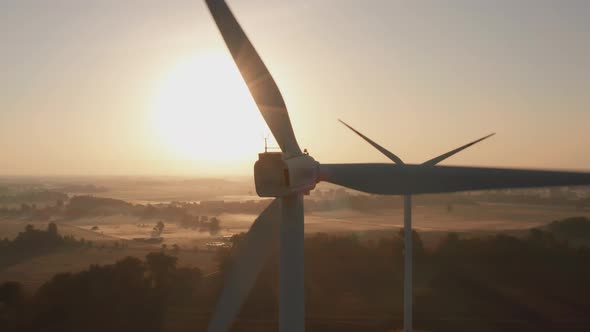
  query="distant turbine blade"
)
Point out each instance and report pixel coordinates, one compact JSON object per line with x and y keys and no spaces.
{"x":253,"y":253}
{"x":381,"y":149}
{"x":291,"y":267}
{"x":262,"y":87}
{"x":442,"y":157}
{"x":388,"y":179}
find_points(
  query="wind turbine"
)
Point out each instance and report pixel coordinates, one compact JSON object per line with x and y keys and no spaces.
{"x":290,"y":174}
{"x":408,"y":258}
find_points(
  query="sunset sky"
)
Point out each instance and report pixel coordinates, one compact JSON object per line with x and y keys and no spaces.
{"x":148,"y":87}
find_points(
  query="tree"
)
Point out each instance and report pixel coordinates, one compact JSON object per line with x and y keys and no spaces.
{"x":131,"y":270}
{"x":116,"y":297}
{"x":11,"y":293}
{"x":52,"y":229}
{"x":160,"y":266}
{"x":158,"y":229}
{"x":214,"y":226}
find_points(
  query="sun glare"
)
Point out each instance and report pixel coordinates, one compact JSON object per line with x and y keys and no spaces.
{"x":203,"y":111}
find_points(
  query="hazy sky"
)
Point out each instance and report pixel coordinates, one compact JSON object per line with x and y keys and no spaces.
{"x":147,"y":87}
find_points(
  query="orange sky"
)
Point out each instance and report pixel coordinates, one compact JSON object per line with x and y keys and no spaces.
{"x":145,"y":88}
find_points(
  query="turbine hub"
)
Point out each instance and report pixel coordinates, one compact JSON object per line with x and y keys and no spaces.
{"x":278,"y":176}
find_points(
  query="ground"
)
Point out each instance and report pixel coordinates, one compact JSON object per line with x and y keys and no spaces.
{"x":431,"y":222}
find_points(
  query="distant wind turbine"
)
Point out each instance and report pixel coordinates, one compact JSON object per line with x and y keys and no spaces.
{"x":291,"y":173}
{"x":408,"y":258}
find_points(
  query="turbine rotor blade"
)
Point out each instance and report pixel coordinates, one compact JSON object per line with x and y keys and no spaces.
{"x":381,"y":149}
{"x":388,"y":179}
{"x":262,"y":86}
{"x":444,"y":156}
{"x":252,"y":253}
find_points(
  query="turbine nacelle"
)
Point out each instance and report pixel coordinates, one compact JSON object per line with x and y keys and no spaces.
{"x":278,"y":176}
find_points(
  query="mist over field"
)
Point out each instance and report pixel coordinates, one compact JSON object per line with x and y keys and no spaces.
{"x":56,"y":227}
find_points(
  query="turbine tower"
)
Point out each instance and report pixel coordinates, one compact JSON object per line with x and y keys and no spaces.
{"x":408,"y":255}
{"x":290,"y":174}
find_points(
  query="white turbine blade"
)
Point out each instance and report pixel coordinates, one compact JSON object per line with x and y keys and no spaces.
{"x":253,"y":253}
{"x":388,"y":179}
{"x":262,"y":87}
{"x":291,"y":273}
{"x":442,"y":157}
{"x":381,"y":149}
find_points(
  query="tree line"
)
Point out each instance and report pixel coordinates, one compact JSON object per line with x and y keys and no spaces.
{"x":535,"y":282}
{"x":33,"y":241}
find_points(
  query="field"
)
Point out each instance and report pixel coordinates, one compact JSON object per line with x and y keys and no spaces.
{"x":431,"y":222}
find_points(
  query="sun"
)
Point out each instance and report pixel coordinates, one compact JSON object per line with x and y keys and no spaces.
{"x":203,"y":111}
